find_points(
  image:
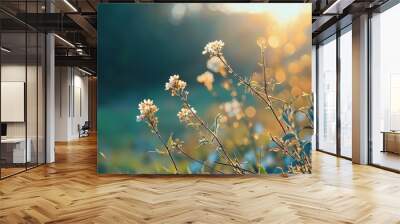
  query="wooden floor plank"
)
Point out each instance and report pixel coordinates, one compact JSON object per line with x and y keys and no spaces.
{"x":70,"y":191}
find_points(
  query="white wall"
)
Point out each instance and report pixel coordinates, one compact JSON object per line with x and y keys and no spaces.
{"x":62,"y":82}
{"x":9,"y":73}
{"x":12,"y":73}
{"x":33,"y":127}
{"x":71,"y":102}
{"x":80,"y":112}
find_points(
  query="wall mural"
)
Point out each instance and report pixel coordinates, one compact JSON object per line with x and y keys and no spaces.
{"x":220,"y":88}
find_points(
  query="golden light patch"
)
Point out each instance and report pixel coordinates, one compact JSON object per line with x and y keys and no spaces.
{"x":223,"y":119}
{"x":294,"y":68}
{"x":262,"y":42}
{"x":276,"y":57}
{"x":223,"y":72}
{"x":235,"y":124}
{"x":256,"y":136}
{"x":280,"y":75}
{"x":207,"y":79}
{"x":305,"y":60}
{"x":294,"y":81}
{"x":246,"y":141}
{"x":305,"y":85}
{"x":226,"y":85}
{"x":229,"y":144}
{"x":273,"y":41}
{"x":289,"y":49}
{"x":300,"y":39}
{"x":296,"y":91}
{"x":239,"y":116}
{"x":250,"y":112}
{"x":257,"y":77}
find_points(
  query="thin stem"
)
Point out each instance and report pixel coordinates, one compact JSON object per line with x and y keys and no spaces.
{"x":184,"y":100}
{"x":277,"y":99}
{"x":196,"y":160}
{"x":304,"y":165}
{"x":286,"y":150}
{"x":264,"y":74}
{"x":307,"y":116}
{"x":267,"y":102}
{"x":240,"y":168}
{"x":308,"y":161}
{"x":165,"y":145}
{"x":259,"y":161}
{"x":266,"y":91}
{"x":258,"y":154}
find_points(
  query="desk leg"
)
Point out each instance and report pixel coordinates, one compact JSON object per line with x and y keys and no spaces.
{"x":384,"y":142}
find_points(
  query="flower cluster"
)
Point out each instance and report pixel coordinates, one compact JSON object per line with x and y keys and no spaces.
{"x":177,"y":144}
{"x":175,"y":85}
{"x":186,"y":115}
{"x":214,"y":48}
{"x":262,"y":43}
{"x":148,"y":110}
{"x":207,"y":79}
{"x":216,"y":65}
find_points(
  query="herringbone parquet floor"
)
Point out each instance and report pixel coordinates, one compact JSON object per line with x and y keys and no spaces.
{"x":70,"y":191}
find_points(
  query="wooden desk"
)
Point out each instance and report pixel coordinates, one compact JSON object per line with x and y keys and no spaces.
{"x":391,"y":141}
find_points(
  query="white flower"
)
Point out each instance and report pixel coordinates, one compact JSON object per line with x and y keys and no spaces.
{"x":214,"y":48}
{"x":216,"y":65}
{"x":139,"y":118}
{"x":175,"y":85}
{"x":262,"y":43}
{"x":186,"y":115}
{"x":147,"y":111}
{"x":147,"y":107}
{"x":177,"y":144}
{"x":207,"y":78}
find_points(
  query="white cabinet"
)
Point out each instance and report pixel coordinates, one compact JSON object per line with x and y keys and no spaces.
{"x":20,"y":155}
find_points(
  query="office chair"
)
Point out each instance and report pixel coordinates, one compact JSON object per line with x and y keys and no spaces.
{"x":84,"y":130}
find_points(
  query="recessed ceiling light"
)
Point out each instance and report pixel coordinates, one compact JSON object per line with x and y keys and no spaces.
{"x":337,"y":7}
{"x":5,"y":50}
{"x":70,"y":5}
{"x":64,"y":40}
{"x":84,"y":71}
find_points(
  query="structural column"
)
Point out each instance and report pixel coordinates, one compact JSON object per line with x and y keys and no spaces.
{"x":50,"y":92}
{"x":360,"y":90}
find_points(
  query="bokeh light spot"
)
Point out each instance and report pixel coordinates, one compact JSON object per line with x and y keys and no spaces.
{"x":289,"y":49}
{"x":280,"y":75}
{"x":294,"y":68}
{"x":250,"y":112}
{"x":296,"y":91}
{"x":273,"y":41}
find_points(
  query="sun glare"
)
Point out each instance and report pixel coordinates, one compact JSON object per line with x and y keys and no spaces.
{"x":281,"y":12}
